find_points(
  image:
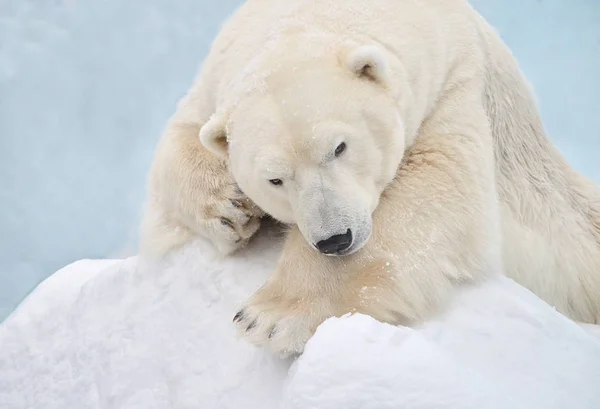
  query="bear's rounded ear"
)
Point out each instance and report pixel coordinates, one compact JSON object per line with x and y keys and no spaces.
{"x":213,"y":136}
{"x":369,"y":62}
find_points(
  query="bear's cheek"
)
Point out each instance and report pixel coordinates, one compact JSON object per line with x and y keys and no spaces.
{"x":278,"y":208}
{"x":241,"y":168}
{"x":272,"y":200}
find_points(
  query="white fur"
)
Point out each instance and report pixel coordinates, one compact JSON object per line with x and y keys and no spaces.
{"x":447,"y":160}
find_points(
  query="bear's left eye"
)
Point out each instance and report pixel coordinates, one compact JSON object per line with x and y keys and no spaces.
{"x":340,"y":149}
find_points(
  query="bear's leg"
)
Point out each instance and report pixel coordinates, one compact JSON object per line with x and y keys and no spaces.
{"x":437,"y":225}
{"x":191,"y":192}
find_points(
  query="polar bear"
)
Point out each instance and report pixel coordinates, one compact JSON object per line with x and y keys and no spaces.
{"x":403,"y":147}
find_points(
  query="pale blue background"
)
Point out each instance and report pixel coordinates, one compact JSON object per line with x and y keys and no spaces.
{"x":86,"y":87}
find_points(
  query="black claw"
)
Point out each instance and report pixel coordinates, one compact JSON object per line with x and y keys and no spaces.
{"x":252,"y":325}
{"x":236,"y":203}
{"x":238,"y":316}
{"x":226,"y":222}
{"x":272,"y":332}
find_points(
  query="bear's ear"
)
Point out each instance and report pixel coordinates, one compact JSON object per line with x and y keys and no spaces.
{"x":214,"y":136}
{"x":369,"y":62}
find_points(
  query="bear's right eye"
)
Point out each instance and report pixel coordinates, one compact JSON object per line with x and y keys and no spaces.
{"x":276,"y":182}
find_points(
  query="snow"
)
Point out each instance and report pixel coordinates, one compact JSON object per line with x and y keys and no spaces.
{"x":132,"y":334}
{"x":498,"y":347}
{"x":360,"y":363}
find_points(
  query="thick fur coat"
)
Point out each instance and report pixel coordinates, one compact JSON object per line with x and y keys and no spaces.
{"x":454,"y":177}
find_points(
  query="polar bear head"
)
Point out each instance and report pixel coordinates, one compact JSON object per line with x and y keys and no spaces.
{"x":315,"y":144}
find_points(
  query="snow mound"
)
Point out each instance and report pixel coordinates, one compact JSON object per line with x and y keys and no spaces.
{"x":498,"y":347}
{"x":128,"y":334}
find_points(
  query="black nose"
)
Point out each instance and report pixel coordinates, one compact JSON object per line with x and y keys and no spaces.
{"x":335,"y":244}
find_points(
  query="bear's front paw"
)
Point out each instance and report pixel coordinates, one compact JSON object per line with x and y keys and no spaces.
{"x":281,"y":324}
{"x":231,"y":219}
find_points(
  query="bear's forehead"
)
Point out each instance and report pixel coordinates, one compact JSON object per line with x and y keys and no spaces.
{"x":304,"y":101}
{"x":307,"y":86}
{"x":301,"y":107}
{"x":297,"y":119}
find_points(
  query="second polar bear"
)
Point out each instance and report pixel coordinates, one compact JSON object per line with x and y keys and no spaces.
{"x":401,"y":143}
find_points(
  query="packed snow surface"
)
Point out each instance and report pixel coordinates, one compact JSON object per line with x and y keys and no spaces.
{"x":130,"y":334}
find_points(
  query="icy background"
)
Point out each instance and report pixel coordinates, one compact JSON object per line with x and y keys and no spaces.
{"x":86,"y":87}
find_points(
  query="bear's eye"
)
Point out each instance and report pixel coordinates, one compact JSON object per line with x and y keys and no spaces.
{"x":340,"y":149}
{"x":276,"y":182}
